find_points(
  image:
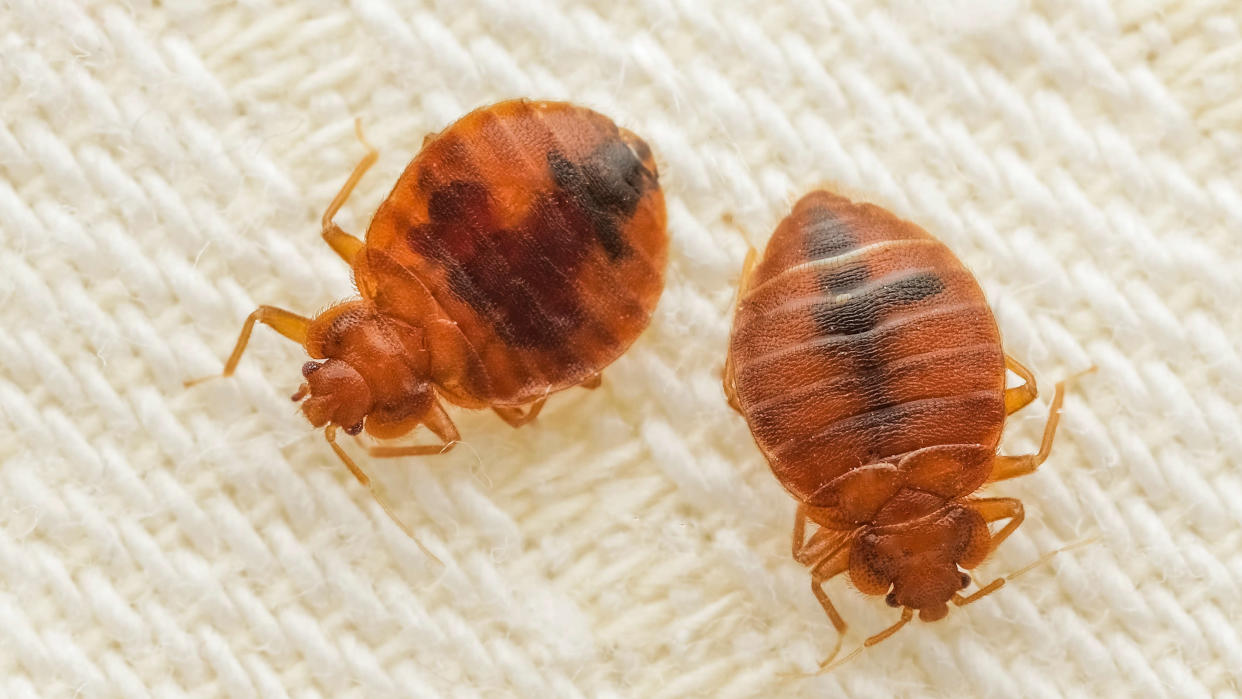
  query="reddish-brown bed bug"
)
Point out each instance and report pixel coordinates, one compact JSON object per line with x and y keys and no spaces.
{"x":869,"y":368}
{"x":519,"y":254}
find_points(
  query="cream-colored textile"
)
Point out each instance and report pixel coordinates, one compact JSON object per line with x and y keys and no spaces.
{"x":163,"y":167}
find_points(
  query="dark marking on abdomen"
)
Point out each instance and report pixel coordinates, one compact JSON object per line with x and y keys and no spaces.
{"x":825,"y":235}
{"x":861,"y":313}
{"x":839,"y":281}
{"x":519,"y":278}
{"x":607,"y":185}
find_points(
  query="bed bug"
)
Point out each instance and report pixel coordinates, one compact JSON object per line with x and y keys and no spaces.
{"x":869,"y":368}
{"x":520,"y":252}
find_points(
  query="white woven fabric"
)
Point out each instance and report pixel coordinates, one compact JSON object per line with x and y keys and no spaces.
{"x":162,"y":170}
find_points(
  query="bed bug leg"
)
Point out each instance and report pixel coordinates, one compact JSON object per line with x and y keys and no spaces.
{"x":834,"y":564}
{"x":344,"y":244}
{"x":807,"y":551}
{"x":287,"y":323}
{"x":1005,"y":467}
{"x":828,"y":558}
{"x":730,"y":389}
{"x":516,"y":417}
{"x":993,"y":509}
{"x":1019,"y":397}
{"x":593,"y":383}
{"x":748,"y":270}
{"x":329,"y":434}
{"x":440,"y":424}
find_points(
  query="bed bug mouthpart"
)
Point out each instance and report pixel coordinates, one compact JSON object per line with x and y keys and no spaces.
{"x":520,"y":252}
{"x":870,"y":370}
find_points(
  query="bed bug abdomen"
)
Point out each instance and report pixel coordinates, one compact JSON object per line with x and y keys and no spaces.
{"x":539,"y":229}
{"x":861,"y":338}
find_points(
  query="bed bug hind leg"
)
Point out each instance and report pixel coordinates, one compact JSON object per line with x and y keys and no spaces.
{"x":287,"y":323}
{"x":1006,"y":467}
{"x":344,"y":244}
{"x":1019,"y":397}
{"x":516,"y":417}
{"x":595,"y":381}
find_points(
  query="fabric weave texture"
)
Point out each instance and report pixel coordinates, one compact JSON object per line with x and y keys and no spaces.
{"x":163,"y":168}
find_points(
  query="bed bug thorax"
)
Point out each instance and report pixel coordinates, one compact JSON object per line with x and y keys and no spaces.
{"x":519,"y":253}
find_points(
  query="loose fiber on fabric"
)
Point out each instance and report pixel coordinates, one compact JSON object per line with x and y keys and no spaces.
{"x":163,"y":167}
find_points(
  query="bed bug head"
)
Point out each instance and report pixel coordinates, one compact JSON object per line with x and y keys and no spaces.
{"x":918,"y":564}
{"x":334,"y":392}
{"x":372,"y":373}
{"x":927,"y":590}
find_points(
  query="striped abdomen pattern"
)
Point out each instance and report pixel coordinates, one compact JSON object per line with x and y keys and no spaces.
{"x":859,"y":338}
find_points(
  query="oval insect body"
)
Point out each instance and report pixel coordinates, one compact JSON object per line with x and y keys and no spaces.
{"x":858,"y":335}
{"x":520,"y":252}
{"x":538,"y":231}
{"x":869,"y":368}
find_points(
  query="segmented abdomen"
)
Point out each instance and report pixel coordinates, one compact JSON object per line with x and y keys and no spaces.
{"x":539,"y":229}
{"x":861,"y":338}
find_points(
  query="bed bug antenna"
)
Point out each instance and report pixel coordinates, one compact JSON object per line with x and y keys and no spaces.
{"x":329,"y":434}
{"x":827,"y":666}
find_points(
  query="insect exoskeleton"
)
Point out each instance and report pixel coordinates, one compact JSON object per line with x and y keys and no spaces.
{"x":519,"y":254}
{"x":869,"y":368}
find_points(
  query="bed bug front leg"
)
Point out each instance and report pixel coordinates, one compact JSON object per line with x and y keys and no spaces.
{"x":832,"y":565}
{"x":440,"y":424}
{"x":287,"y":323}
{"x":992,"y":509}
{"x":344,"y":244}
